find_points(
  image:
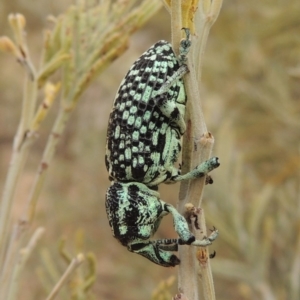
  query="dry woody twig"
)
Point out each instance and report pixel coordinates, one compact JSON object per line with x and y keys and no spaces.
{"x":199,"y":16}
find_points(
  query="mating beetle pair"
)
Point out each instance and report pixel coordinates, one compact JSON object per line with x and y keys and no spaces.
{"x":143,"y":143}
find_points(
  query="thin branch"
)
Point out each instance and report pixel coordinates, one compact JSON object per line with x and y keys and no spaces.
{"x":75,"y":263}
{"x":21,"y":261}
{"x":197,"y":141}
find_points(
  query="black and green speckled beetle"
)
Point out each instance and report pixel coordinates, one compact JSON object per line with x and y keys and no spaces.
{"x":143,"y":143}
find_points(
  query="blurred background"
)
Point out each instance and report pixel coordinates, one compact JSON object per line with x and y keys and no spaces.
{"x":250,"y":89}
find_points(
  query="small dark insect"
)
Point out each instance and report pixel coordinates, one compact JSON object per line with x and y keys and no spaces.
{"x":212,"y":255}
{"x":208,"y":180}
{"x":143,"y":143}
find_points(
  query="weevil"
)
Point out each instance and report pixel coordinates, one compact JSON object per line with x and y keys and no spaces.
{"x":143,"y":143}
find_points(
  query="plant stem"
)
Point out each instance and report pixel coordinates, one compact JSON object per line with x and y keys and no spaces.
{"x":20,"y":152}
{"x":21,"y":260}
{"x":197,"y":141}
{"x":75,"y":263}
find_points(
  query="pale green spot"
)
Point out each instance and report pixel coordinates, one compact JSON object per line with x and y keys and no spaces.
{"x":147,"y":115}
{"x":134,"y":162}
{"x":130,"y":120}
{"x":147,"y":93}
{"x":170,"y":64}
{"x":141,"y":146}
{"x":137,"y":97}
{"x":155,"y":138}
{"x":122,"y":145}
{"x":164,"y":128}
{"x":151,"y":125}
{"x":134,"y":72}
{"x":127,"y":154}
{"x":117,"y":132}
{"x":135,"y":135}
{"x":128,"y":172}
{"x":133,"y":110}
{"x":143,"y":129}
{"x":142,"y":86}
{"x":152,"y":78}
{"x":138,"y":122}
{"x":141,"y":160}
{"x":125,"y":115}
{"x":135,"y":149}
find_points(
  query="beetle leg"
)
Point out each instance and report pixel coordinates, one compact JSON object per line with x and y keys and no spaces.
{"x":154,"y":252}
{"x":201,"y":170}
